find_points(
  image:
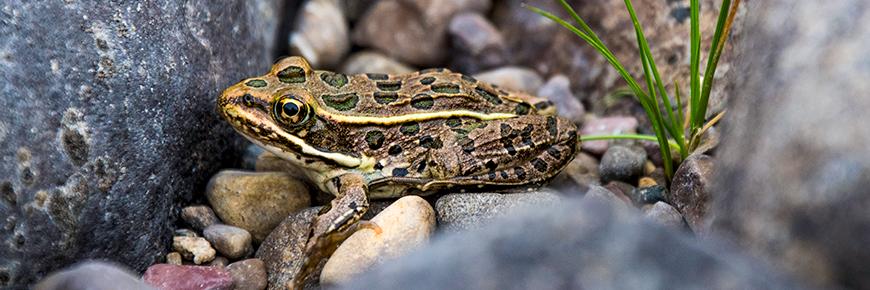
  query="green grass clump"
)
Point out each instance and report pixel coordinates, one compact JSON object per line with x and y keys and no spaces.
{"x":699,"y":92}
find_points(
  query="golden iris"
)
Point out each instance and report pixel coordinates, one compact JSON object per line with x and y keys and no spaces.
{"x":290,"y":110}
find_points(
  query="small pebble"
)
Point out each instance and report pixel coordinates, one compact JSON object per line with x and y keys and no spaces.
{"x":578,"y":177}
{"x":645,"y":182}
{"x":411,"y":38}
{"x":654,"y":154}
{"x":558,"y":90}
{"x":658,"y":175}
{"x":512,"y":78}
{"x":621,"y":189}
{"x":282,"y":250}
{"x":406,"y":225}
{"x":185,"y":233}
{"x":605,"y":126}
{"x":373,"y":62}
{"x":477,"y":44}
{"x":649,"y":195}
{"x":622,"y":163}
{"x":219,"y":262}
{"x":321,"y":36}
{"x":603,"y":194}
{"x":173,"y":258}
{"x":91,"y":276}
{"x":665,"y":215}
{"x":248,"y":274}
{"x":199,"y":216}
{"x":648,"y":167}
{"x":465,"y":211}
{"x":193,"y":248}
{"x":256,"y":201}
{"x":689,"y":191}
{"x":165,"y":276}
{"x":232,"y":242}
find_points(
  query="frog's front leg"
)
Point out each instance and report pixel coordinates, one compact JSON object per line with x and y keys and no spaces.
{"x":336,"y":221}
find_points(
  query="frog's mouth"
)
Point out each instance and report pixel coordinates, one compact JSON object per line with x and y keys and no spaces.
{"x":307,"y":154}
{"x":256,"y":124}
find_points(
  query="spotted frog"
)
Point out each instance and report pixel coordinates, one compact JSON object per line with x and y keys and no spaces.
{"x":381,"y":136}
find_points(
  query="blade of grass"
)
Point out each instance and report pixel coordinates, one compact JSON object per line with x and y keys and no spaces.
{"x":580,"y":21}
{"x":680,"y":116}
{"x":671,"y":143}
{"x":650,"y":72}
{"x":597,"y":45}
{"x":723,"y":26}
{"x":615,"y":95}
{"x":646,"y":57}
{"x":695,"y":83}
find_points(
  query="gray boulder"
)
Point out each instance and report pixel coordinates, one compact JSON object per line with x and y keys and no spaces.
{"x":108,"y":123}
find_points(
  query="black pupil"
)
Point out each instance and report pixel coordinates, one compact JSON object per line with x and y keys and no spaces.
{"x":291,"y":109}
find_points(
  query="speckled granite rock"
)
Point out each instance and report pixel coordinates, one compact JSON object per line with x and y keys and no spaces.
{"x":464,"y":211}
{"x":690,"y":191}
{"x":794,"y":169}
{"x":109,"y":123}
{"x":575,"y":245}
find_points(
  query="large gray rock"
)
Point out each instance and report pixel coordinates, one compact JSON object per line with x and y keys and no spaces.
{"x":107,"y":123}
{"x":793,"y":158}
{"x":576,"y":245}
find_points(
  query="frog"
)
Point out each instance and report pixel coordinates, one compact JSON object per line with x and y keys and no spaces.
{"x":372,"y":136}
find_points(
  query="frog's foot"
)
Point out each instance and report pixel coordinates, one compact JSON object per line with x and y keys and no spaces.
{"x":324,"y":246}
{"x":336,"y":222}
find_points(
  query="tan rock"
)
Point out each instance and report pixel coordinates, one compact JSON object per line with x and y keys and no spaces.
{"x":322,"y":34}
{"x":219,"y":262}
{"x":406,"y":225}
{"x":173,"y":258}
{"x":268,"y":162}
{"x":646,"y":181}
{"x":199,"y":216}
{"x":256,"y":201}
{"x":193,"y":248}
{"x":249,"y":274}
{"x":373,"y":62}
{"x":513,"y":78}
{"x":232,"y":242}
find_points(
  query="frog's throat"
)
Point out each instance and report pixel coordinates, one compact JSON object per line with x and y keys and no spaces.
{"x":309,"y":152}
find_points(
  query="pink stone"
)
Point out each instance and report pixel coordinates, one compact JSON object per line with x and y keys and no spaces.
{"x":180,"y":277}
{"x":605,"y":126}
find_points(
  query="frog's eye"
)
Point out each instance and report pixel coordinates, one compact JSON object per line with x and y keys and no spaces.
{"x":291,"y":111}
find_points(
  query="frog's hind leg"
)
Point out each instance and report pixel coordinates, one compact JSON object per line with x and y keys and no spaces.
{"x":336,"y":222}
{"x":525,"y":152}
